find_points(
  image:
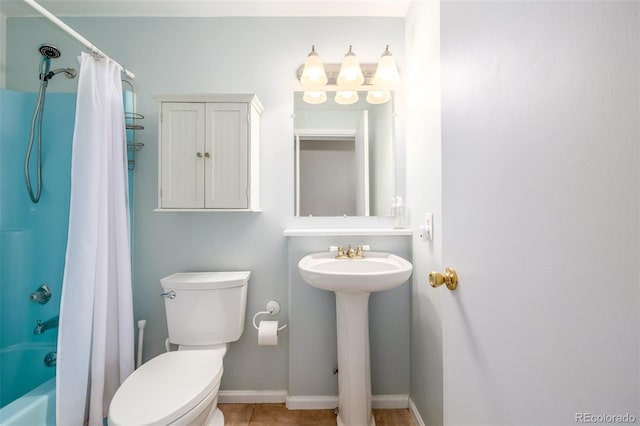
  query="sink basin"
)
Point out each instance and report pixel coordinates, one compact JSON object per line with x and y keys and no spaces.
{"x":378,"y":271}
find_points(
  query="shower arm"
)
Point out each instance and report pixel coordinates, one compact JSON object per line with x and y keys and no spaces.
{"x":68,"y":72}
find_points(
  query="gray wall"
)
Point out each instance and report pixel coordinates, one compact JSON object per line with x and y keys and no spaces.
{"x":202,"y":55}
{"x":424,"y":194}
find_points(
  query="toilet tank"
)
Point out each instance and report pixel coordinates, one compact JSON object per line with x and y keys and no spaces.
{"x":208,"y":307}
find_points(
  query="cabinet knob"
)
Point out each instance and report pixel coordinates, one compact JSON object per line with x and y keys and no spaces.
{"x":207,"y":155}
{"x":199,"y":154}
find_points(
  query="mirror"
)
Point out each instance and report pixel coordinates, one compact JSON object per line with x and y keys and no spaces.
{"x":344,"y":157}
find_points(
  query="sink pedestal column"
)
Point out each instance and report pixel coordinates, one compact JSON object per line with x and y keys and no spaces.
{"x":354,"y":372}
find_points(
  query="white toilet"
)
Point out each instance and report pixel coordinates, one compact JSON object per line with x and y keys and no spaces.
{"x":205,"y":312}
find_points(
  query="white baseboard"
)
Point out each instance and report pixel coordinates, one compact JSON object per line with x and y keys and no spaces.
{"x":252,"y":396}
{"x":328,"y":402}
{"x":388,"y":402}
{"x":311,"y":402}
{"x":415,"y":413}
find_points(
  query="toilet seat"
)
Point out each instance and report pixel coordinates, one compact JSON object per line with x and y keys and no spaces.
{"x":166,"y":388}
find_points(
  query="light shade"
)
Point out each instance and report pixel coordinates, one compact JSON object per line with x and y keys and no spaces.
{"x":378,"y":96}
{"x":346,"y":97}
{"x":387,"y":75}
{"x":350,"y":75}
{"x":313,"y":75}
{"x":315,"y":97}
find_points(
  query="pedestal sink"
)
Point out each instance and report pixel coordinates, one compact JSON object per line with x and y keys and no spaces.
{"x":353,"y":280}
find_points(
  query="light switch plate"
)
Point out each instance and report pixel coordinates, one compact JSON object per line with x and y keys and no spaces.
{"x":426,"y":230}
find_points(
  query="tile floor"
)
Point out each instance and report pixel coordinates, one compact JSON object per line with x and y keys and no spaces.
{"x":277,"y":414}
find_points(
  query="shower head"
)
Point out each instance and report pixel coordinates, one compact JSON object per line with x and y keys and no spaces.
{"x":49,"y":51}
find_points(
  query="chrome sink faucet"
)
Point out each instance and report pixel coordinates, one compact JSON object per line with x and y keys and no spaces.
{"x":41,"y":327}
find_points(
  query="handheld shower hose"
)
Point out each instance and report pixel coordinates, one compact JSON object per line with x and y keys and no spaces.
{"x":47,"y":52}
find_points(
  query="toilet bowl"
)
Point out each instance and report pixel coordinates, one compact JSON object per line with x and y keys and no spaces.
{"x":205,"y":311}
{"x":175,"y":388}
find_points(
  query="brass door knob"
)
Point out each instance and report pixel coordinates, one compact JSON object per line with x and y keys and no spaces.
{"x":450,"y":278}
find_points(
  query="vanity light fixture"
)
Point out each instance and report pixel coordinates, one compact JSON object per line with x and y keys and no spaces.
{"x":350,"y":75}
{"x":347,"y":78}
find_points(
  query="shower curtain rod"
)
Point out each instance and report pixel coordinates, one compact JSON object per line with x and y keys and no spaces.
{"x":53,"y":18}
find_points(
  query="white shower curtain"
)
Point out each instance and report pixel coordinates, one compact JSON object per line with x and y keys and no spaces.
{"x":95,"y":339}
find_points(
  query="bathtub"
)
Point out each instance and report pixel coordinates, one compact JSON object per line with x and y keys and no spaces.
{"x":22,"y":368}
{"x":23,"y":373}
{"x":36,"y":408}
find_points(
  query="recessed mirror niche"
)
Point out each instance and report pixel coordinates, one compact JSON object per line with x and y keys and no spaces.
{"x":344,"y":157}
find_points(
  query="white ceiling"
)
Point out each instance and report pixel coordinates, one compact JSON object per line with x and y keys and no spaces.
{"x":210,"y":8}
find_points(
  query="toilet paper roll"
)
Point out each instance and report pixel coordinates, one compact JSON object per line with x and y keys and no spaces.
{"x":268,"y":333}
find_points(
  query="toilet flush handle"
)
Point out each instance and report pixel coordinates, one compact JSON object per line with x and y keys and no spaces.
{"x":169,"y":294}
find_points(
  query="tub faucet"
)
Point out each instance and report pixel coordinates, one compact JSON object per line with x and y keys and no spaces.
{"x":41,"y":295}
{"x":41,"y":327}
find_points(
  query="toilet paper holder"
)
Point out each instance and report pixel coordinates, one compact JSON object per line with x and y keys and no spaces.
{"x":273,"y":308}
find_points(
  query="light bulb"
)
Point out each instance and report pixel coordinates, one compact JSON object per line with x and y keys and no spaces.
{"x":378,"y":96}
{"x":346,"y":97}
{"x":315,"y":97}
{"x":313,"y":75}
{"x":350,"y":75}
{"x":387,"y":75}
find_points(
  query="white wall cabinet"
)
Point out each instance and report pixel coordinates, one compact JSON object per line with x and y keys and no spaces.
{"x":209,"y":153}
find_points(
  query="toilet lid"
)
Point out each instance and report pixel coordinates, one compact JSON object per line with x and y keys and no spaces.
{"x":166,"y":388}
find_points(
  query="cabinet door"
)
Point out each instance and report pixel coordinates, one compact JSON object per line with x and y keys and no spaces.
{"x":226,"y":156}
{"x":182,"y":155}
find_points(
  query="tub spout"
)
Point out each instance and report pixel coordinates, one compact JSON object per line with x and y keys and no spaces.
{"x":41,"y":327}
